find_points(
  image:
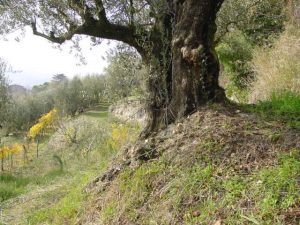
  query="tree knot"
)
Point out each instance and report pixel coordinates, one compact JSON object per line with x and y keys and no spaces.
{"x":192,"y":55}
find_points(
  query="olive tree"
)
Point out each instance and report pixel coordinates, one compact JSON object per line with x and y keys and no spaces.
{"x":3,"y":91}
{"x":94,"y":89}
{"x":70,"y":96}
{"x":125,"y":74}
{"x":174,"y":37}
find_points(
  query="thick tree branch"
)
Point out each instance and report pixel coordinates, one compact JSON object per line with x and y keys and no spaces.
{"x":96,"y":24}
{"x":51,"y":37}
{"x":96,"y":28}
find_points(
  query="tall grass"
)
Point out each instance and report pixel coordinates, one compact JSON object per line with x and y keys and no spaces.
{"x":278,"y":68}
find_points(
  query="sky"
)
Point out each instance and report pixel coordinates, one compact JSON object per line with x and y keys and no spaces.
{"x":34,"y":60}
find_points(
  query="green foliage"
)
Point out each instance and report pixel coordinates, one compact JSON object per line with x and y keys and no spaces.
{"x":95,"y":88}
{"x":40,"y":88}
{"x":235,"y":54}
{"x":125,"y":74}
{"x":258,"y":19}
{"x":242,"y":27}
{"x":22,"y":112}
{"x":70,"y":96}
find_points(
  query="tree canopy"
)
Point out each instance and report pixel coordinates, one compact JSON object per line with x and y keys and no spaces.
{"x":128,"y":21}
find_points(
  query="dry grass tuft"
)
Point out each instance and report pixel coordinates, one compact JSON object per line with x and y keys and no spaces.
{"x":278,"y":68}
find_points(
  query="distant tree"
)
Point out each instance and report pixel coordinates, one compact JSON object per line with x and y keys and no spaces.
{"x":4,"y":98}
{"x":94,"y":87}
{"x":59,"y":78}
{"x":125,"y":73}
{"x":41,"y":87}
{"x":23,"y":112}
{"x":70,"y":97}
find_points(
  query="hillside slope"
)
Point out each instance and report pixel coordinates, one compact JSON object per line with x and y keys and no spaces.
{"x":218,"y":166}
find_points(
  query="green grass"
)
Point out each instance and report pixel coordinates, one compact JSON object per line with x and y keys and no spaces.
{"x":101,"y":107}
{"x":11,"y":186}
{"x":71,"y":205}
{"x":278,"y":188}
{"x":96,"y":114}
{"x":65,"y":210}
{"x":282,"y":104}
{"x":283,"y":107}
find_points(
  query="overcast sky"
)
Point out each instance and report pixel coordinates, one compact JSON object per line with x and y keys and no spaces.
{"x":35,"y":60}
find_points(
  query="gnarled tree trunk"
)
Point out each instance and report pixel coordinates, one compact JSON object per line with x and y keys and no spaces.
{"x":192,"y":79}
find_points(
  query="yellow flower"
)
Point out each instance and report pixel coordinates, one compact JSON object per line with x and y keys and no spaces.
{"x":4,"y":152}
{"x":16,"y":148}
{"x":43,"y":122}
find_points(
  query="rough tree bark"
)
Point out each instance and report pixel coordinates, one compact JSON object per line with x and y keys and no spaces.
{"x":192,"y":78}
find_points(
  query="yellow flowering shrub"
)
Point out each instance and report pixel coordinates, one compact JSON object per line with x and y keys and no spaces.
{"x":48,"y":118}
{"x":119,"y":136}
{"x":43,"y":122}
{"x":16,"y":148}
{"x":4,"y":152}
{"x":35,"y":130}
